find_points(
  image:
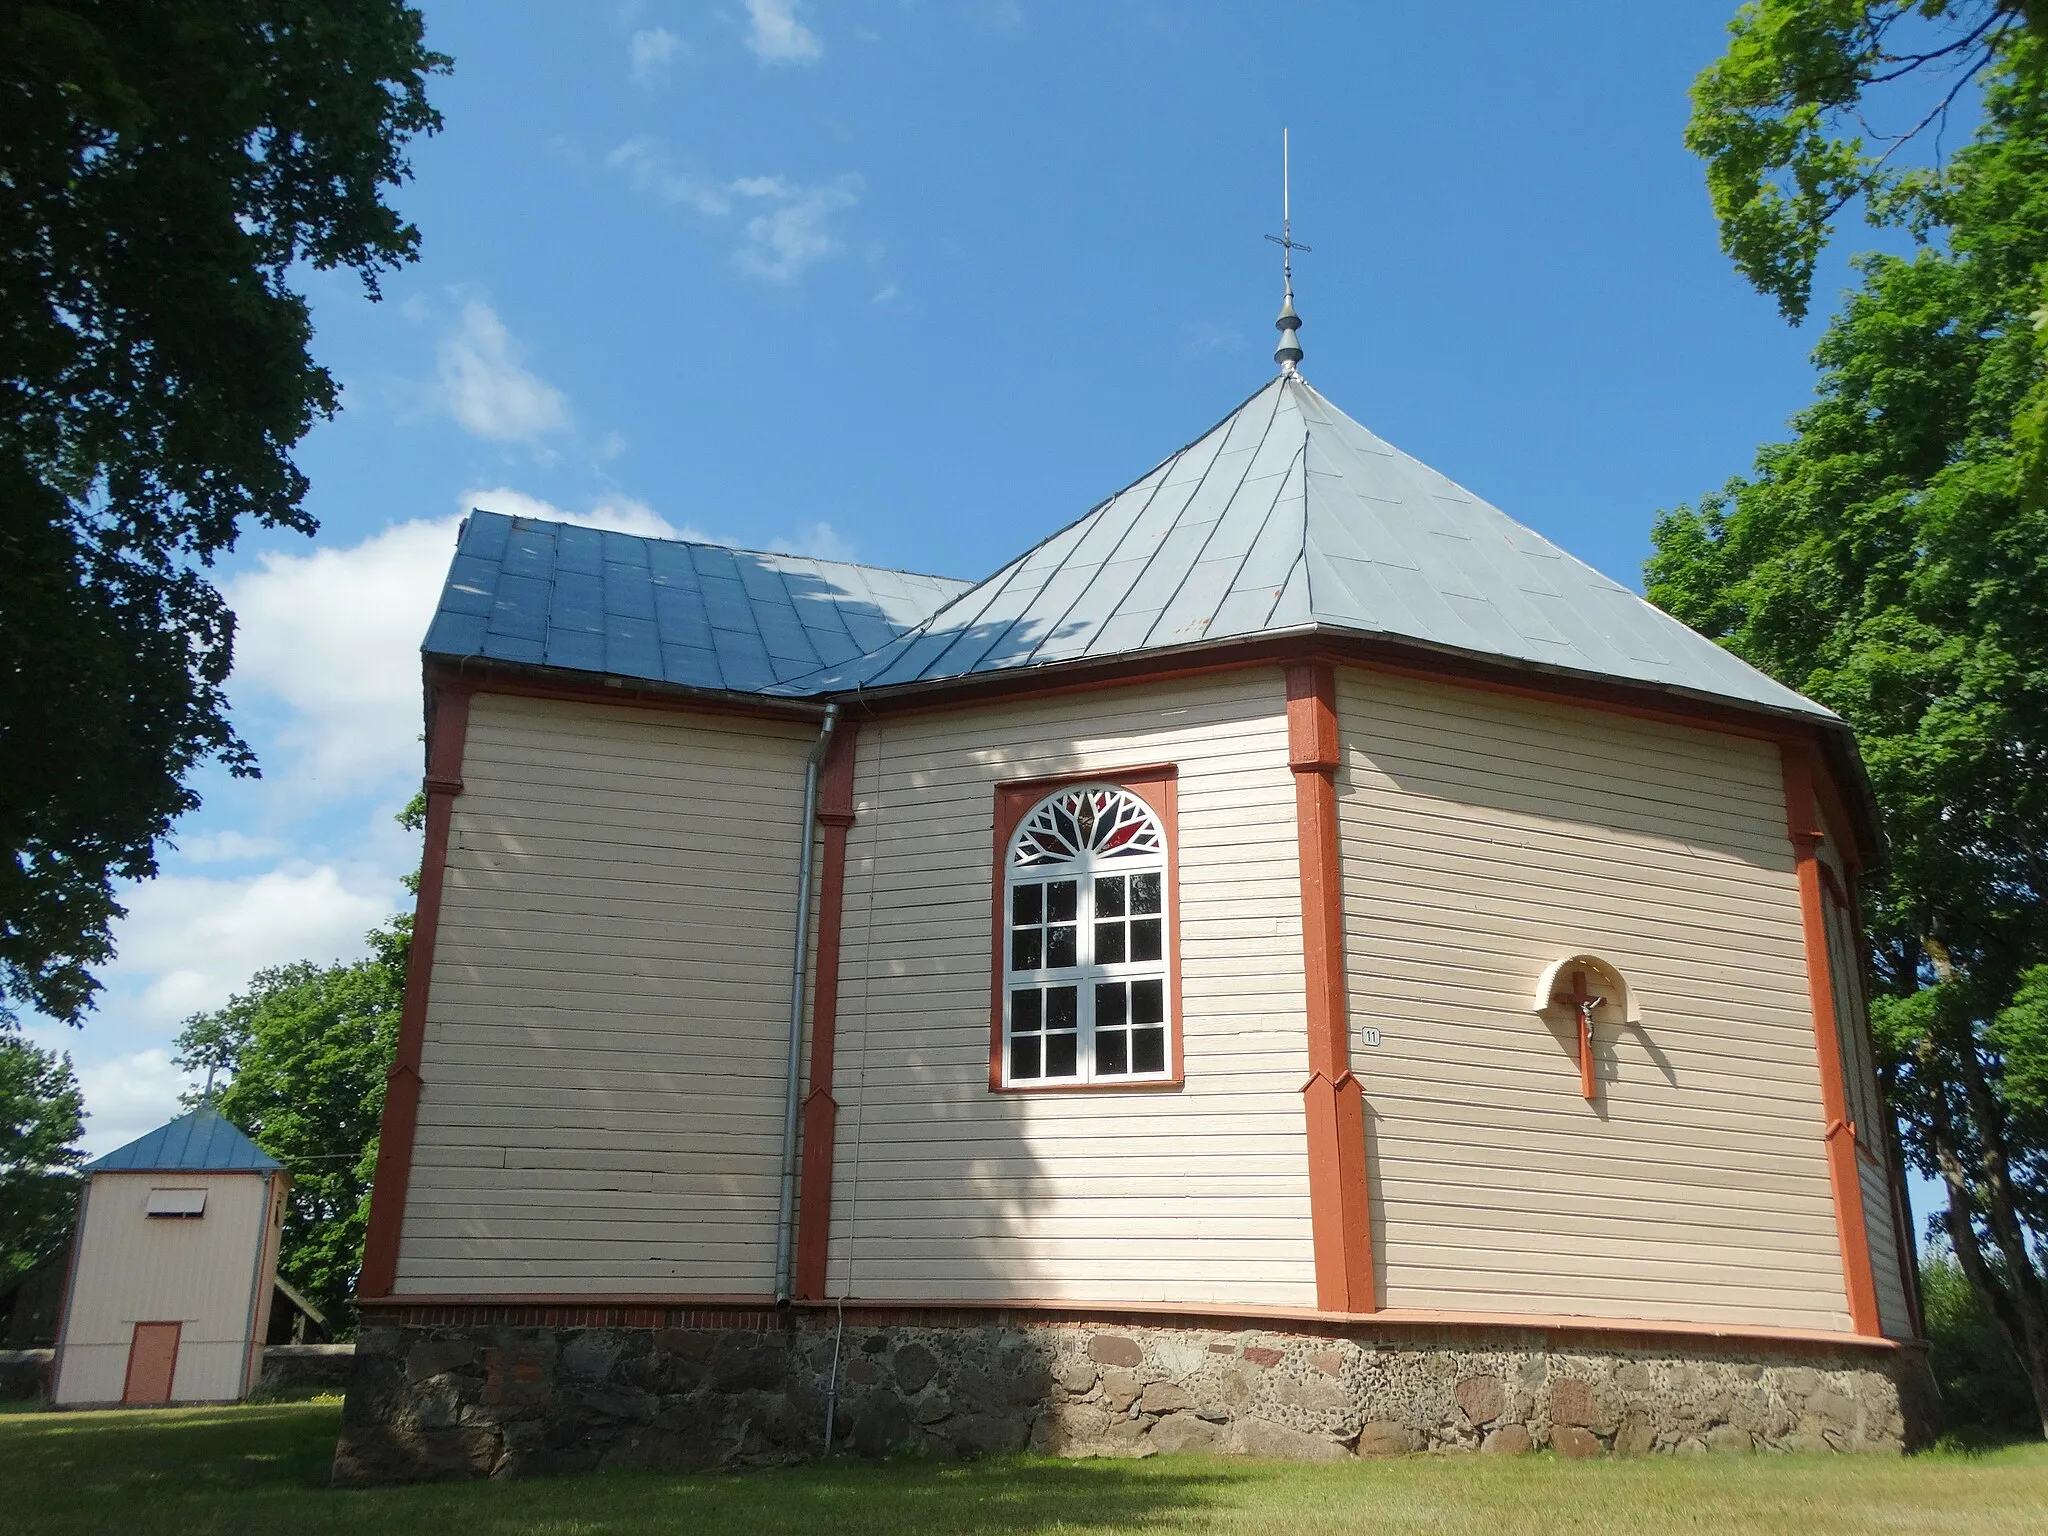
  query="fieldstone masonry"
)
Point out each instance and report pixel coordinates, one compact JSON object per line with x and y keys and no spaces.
{"x":472,"y":1401}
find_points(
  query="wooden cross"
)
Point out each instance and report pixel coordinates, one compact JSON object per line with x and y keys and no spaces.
{"x":1582,"y":1002}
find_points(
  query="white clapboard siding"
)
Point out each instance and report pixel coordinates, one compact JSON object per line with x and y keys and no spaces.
{"x":1483,"y":837}
{"x":942,"y":1189}
{"x":602,"y":1095}
{"x":1866,"y":1103}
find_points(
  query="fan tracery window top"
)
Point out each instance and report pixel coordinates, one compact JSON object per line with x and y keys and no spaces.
{"x":1098,"y":821}
{"x":1085,"y":956}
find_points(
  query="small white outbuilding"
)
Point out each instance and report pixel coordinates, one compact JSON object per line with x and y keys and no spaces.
{"x":172,"y":1269}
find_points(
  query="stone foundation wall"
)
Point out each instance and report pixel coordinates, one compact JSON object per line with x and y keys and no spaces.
{"x":470,"y":1400}
{"x":305,"y":1370}
{"x":25,"y":1372}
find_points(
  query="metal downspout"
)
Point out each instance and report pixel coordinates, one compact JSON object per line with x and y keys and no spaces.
{"x":797,"y":966}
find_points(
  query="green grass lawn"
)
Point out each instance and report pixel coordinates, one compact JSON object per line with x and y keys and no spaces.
{"x":264,"y":1469}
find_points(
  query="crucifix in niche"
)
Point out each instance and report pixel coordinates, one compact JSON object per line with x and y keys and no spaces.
{"x":1582,"y":986}
{"x":1582,"y":1003}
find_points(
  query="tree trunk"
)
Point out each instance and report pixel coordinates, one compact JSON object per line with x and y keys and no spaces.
{"x":2015,"y":1306}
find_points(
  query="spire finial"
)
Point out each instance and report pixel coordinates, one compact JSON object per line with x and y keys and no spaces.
{"x":1288,"y":353}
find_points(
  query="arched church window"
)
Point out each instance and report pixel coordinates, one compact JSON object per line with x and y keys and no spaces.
{"x":1087,"y":992}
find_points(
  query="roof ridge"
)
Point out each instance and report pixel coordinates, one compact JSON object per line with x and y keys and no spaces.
{"x":1308,"y":566}
{"x":1011,"y":567}
{"x":730,"y":549}
{"x":1210,"y":537}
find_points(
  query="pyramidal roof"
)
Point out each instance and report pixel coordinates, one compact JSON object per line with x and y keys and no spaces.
{"x":201,"y":1142}
{"x":1289,"y":517}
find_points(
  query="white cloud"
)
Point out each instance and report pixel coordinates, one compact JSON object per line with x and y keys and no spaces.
{"x":820,"y":541}
{"x":198,"y":940}
{"x":334,"y":635}
{"x":649,"y":169}
{"x":622,"y":514}
{"x":781,"y":243}
{"x":888,"y":293}
{"x":487,"y":389}
{"x":651,"y":51}
{"x":228,"y":847}
{"x":792,"y":233}
{"x":129,"y":1096}
{"x":777,"y":37}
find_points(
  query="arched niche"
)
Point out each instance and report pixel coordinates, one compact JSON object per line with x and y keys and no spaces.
{"x":1590,"y":990}
{"x":1603,"y":979}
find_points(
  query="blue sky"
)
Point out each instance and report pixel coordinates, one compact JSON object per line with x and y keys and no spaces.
{"x":916,"y":282}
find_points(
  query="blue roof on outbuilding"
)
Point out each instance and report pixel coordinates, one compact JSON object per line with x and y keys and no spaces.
{"x":201,"y":1142}
{"x":666,"y":610}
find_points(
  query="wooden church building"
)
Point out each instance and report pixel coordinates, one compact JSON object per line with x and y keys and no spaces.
{"x":1293,"y":963}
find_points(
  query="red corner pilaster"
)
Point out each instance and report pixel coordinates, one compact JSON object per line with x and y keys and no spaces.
{"x":1801,"y":766}
{"x":450,"y":708}
{"x":1339,"y":1200}
{"x":821,"y":1110}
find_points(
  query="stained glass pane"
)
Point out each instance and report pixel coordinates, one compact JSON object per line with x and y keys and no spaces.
{"x":1062,"y":1055}
{"x":1145,"y":938}
{"x":1112,"y":1053}
{"x":1148,"y":1050}
{"x":1024,"y":1057}
{"x":1024,"y":949}
{"x":1060,"y":1011}
{"x":1148,"y":1002}
{"x":1061,"y":897}
{"x":1059,"y":947}
{"x":1106,"y":822}
{"x":1109,"y":896}
{"x":1027,"y":904}
{"x":1026,"y":1011}
{"x":1109,"y":943}
{"x":1145,"y":892}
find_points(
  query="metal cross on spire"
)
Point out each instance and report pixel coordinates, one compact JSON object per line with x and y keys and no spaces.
{"x":1288,"y":353}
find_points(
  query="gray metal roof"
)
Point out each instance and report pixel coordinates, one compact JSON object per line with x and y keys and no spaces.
{"x":1288,"y":516}
{"x":201,"y":1142}
{"x":697,"y":615}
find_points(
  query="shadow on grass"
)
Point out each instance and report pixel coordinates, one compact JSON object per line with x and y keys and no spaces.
{"x":265,"y":1468}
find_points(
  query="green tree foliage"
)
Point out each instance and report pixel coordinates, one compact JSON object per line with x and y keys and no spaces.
{"x":1782,"y":118}
{"x":1886,"y":562}
{"x":1984,"y":1393}
{"x":303,"y":1054}
{"x":165,"y":165}
{"x":41,"y":1119}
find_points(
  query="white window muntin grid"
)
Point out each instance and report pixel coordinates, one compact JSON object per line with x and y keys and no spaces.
{"x":1085,"y":972}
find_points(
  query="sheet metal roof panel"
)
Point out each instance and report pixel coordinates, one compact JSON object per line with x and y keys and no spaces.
{"x":1285,"y":515}
{"x":578,"y":602}
{"x":456,"y":634}
{"x":484,"y":537}
{"x":472,"y":581}
{"x":577,"y":649}
{"x":513,"y":648}
{"x":199,"y":1142}
{"x":580,"y":550}
{"x":530,"y":550}
{"x":630,"y":606}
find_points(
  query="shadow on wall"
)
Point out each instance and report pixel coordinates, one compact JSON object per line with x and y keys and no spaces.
{"x":1566,"y":771}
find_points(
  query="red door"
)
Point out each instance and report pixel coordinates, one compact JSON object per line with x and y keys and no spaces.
{"x":152,"y":1362}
